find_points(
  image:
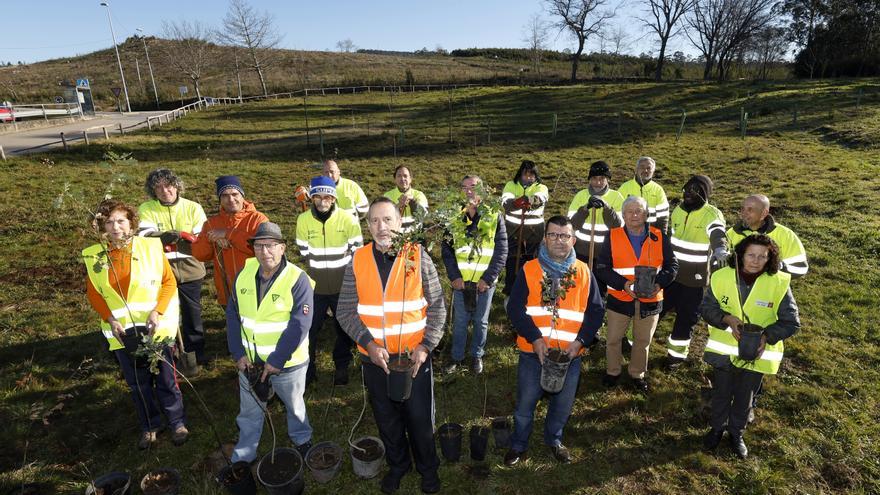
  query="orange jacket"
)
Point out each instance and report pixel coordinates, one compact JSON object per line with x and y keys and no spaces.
{"x":239,"y":228}
{"x":624,"y":260}
{"x":120,"y":278}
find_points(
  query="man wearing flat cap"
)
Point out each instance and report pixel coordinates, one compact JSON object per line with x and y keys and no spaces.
{"x":267,"y":325}
{"x":326,"y":236}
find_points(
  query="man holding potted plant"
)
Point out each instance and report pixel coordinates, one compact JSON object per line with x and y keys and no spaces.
{"x":268,"y":321}
{"x":556,"y":308}
{"x":473,"y":262}
{"x":635,"y":262}
{"x":391,"y":304}
{"x":409,"y":200}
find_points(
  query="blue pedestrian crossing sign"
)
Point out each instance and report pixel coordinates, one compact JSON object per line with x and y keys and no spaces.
{"x":82,"y":83}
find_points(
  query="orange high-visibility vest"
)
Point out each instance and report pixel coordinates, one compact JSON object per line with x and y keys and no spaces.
{"x":395,"y":316}
{"x":623,"y":260}
{"x":570,"y":310}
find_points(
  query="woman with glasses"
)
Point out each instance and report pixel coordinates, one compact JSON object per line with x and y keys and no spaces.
{"x":751,"y":293}
{"x":636,"y":262}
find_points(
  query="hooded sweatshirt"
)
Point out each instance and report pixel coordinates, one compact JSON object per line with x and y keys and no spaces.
{"x":240,"y":227}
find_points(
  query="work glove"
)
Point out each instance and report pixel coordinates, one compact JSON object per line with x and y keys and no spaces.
{"x":521,"y":203}
{"x":170,"y":237}
{"x":597,"y":202}
{"x":186,"y":236}
{"x":719,"y":257}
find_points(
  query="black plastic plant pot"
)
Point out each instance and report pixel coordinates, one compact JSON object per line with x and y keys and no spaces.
{"x":238,"y":479}
{"x":479,"y":442}
{"x":470,"y":296}
{"x":749,"y":341}
{"x":367,"y":457}
{"x":131,"y":339}
{"x":501,"y":433}
{"x":554,"y":370}
{"x":283,"y":474}
{"x":400,"y":377}
{"x":262,"y":389}
{"x":115,"y":483}
{"x":450,"y":441}
{"x":643,"y":285}
{"x":324,"y":460}
{"x":162,"y":481}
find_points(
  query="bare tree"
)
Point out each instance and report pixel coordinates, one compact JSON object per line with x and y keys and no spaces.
{"x":619,"y":39}
{"x":346,"y":45}
{"x":747,"y":17}
{"x":766,"y":48}
{"x":581,"y":19}
{"x":662,"y":18}
{"x":189,"y":49}
{"x":255,"y":32}
{"x":535,"y":34}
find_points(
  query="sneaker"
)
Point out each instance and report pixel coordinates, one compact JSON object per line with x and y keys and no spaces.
{"x":147,"y":439}
{"x":513,"y":457}
{"x":751,"y":418}
{"x":477,"y":366}
{"x":561,"y":453}
{"x":340,"y":376}
{"x":640,"y":385}
{"x":610,"y":380}
{"x":452,"y":367}
{"x":304,"y":448}
{"x":179,"y":436}
{"x":625,"y":345}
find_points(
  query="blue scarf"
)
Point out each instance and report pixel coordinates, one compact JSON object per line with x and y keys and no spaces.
{"x":554,"y":269}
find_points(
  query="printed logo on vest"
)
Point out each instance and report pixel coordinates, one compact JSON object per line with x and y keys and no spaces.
{"x":725,"y":300}
{"x":243,"y":290}
{"x":305,"y":309}
{"x":764,"y":304}
{"x":275,"y":297}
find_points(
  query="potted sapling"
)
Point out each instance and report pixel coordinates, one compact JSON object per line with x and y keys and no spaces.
{"x":555,"y":366}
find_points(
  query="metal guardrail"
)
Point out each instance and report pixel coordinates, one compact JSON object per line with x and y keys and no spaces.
{"x":46,"y":110}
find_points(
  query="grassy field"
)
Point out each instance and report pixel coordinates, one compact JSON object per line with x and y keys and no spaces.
{"x":812,"y":147}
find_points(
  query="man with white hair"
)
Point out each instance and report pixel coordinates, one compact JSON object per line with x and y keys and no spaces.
{"x":755,"y":218}
{"x":349,"y":195}
{"x":644,"y":186}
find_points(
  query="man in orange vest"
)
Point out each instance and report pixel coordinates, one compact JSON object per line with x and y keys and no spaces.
{"x":567,"y":323}
{"x":634,"y":248}
{"x":391,"y":304}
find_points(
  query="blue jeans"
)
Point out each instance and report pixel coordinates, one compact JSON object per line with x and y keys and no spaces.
{"x":529,"y":392}
{"x":480,"y":318}
{"x":289,"y":386}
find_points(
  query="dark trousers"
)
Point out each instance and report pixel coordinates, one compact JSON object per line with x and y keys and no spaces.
{"x":153,"y":394}
{"x":344,"y":344}
{"x":511,"y":269}
{"x":405,"y":426}
{"x":193,"y":333}
{"x":685,"y":301}
{"x":733,"y":390}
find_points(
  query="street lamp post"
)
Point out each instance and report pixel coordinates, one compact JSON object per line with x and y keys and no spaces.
{"x":156,"y":93}
{"x":118,"y":60}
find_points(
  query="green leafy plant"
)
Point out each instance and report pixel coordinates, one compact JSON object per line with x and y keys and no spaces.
{"x":552,"y":293}
{"x":151,"y":349}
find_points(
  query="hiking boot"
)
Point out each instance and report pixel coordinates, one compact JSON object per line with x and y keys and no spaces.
{"x":304,"y":448}
{"x":390,"y":482}
{"x":739,"y":446}
{"x":179,"y":436}
{"x":452,"y":367}
{"x":610,"y":380}
{"x":477,"y":366}
{"x":712,"y":439}
{"x":513,"y":457}
{"x":430,"y":483}
{"x":147,"y":439}
{"x":561,"y":453}
{"x":640,"y":385}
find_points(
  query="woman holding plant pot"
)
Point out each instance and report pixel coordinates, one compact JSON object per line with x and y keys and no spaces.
{"x":132,"y":287}
{"x":636,"y":262}
{"x":750,"y":295}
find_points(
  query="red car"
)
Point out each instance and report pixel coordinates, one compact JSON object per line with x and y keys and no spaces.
{"x":6,"y":114}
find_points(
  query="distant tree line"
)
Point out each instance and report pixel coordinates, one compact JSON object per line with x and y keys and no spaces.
{"x":835,"y":37}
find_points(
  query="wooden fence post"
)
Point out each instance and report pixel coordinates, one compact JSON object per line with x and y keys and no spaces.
{"x":64,"y":142}
{"x":121,"y":130}
{"x":106,"y":134}
{"x":86,"y":137}
{"x":2,"y":153}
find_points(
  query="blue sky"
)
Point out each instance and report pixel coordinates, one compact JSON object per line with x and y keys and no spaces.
{"x":42,"y":29}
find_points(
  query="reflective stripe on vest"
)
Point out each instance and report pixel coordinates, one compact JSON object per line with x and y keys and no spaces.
{"x":147,"y":267}
{"x":761,"y":306}
{"x":326,"y":245}
{"x":791,"y":250}
{"x":690,"y":233}
{"x":623,"y":260}
{"x":396,"y":316}
{"x":183,"y":216}
{"x":473,"y":262}
{"x":570,"y":310}
{"x":514,"y":190}
{"x":655,"y":196}
{"x":263,"y":325}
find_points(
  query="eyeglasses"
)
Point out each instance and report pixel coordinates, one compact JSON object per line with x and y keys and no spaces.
{"x":553,"y":236}
{"x":266,"y":247}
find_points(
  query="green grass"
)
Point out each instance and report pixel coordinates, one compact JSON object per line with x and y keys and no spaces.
{"x":817,"y":429}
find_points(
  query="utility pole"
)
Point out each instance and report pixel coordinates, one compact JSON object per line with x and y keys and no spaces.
{"x":155,"y":93}
{"x":118,"y":60}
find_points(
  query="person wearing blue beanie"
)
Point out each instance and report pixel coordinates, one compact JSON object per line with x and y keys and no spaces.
{"x":226,"y":181}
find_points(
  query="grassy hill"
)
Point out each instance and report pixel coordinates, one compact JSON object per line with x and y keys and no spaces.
{"x":38,"y":82}
{"x":811,"y":147}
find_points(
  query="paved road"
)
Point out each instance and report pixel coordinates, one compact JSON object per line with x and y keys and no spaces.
{"x":35,"y":140}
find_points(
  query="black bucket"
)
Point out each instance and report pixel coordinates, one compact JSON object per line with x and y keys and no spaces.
{"x":238,"y":479}
{"x":554,"y":370}
{"x":400,"y":378}
{"x":131,"y":339}
{"x":163,"y":481}
{"x":749,"y":341}
{"x":450,"y":441}
{"x":285,"y":475}
{"x":501,"y":433}
{"x":469,"y":294}
{"x":479,"y":442}
{"x":115,"y":483}
{"x":643,"y":285}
